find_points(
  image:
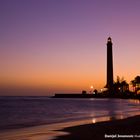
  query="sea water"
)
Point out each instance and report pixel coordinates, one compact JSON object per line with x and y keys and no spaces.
{"x":25,"y":111}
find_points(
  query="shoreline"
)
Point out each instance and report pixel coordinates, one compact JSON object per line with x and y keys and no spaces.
{"x":81,"y":130}
{"x":128,"y":128}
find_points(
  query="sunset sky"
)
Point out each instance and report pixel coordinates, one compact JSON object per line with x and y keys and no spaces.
{"x":60,"y":45}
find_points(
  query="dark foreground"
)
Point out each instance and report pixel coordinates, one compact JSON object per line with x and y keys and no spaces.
{"x":126,"y":129}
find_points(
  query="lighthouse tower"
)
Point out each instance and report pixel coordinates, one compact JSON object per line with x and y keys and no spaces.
{"x":109,"y":83}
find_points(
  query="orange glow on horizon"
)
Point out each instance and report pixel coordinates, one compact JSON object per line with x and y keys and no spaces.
{"x":65,"y":50}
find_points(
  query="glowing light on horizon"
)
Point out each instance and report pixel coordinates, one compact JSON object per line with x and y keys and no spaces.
{"x":93,"y":120}
{"x":91,"y":87}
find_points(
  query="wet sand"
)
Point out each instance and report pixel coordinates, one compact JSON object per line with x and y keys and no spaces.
{"x":125,"y":129}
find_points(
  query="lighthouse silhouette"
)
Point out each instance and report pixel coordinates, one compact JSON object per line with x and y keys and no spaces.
{"x":109,"y":83}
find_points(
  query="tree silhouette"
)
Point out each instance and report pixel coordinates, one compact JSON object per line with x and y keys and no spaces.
{"x":136,"y":84}
{"x":124,"y":86}
{"x":121,"y":86}
{"x":133,"y":83}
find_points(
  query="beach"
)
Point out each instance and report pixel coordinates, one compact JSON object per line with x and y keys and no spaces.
{"x":125,"y":129}
{"x":43,"y":118}
{"x":128,"y":128}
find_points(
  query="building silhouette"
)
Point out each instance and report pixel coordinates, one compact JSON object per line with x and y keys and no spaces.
{"x":109,"y":83}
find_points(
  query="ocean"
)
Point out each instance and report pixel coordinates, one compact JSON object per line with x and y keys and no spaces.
{"x":25,"y":111}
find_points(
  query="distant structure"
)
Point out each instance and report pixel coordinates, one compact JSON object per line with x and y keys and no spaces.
{"x":109,"y":83}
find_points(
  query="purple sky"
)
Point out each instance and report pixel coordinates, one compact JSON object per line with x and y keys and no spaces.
{"x":60,"y":45}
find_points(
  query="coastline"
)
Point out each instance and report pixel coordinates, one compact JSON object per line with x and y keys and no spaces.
{"x":128,"y":128}
{"x":127,"y":95}
{"x":78,"y":130}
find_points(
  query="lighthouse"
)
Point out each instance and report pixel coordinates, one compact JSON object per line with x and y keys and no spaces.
{"x":109,"y":83}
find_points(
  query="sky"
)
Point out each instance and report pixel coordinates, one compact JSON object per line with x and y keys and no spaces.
{"x":53,"y":46}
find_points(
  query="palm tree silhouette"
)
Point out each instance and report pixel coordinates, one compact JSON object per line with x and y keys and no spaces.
{"x":136,"y":84}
